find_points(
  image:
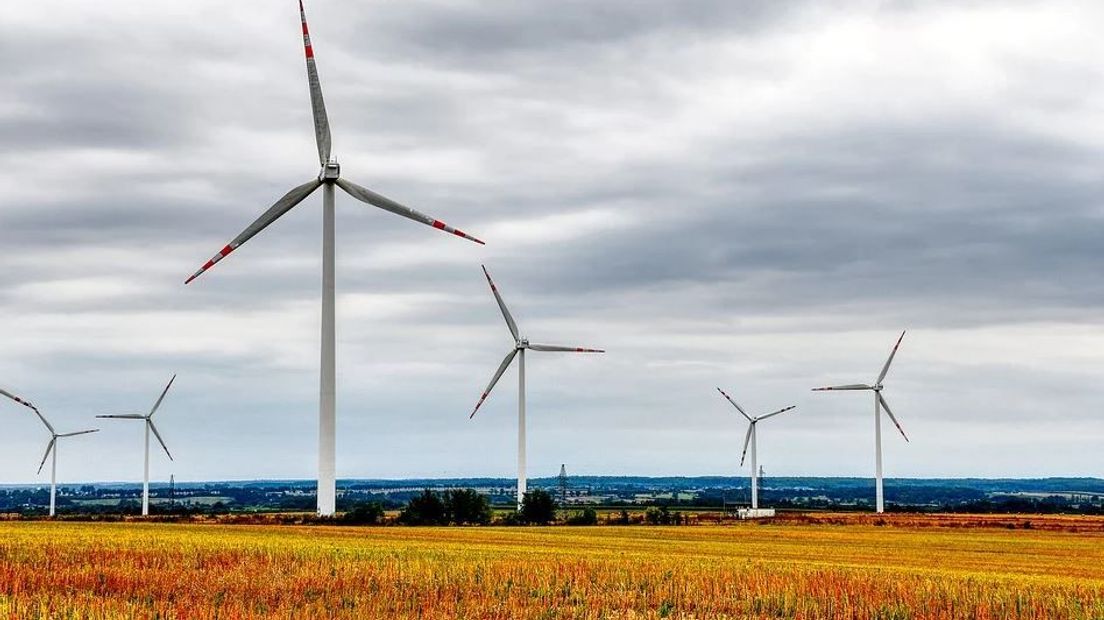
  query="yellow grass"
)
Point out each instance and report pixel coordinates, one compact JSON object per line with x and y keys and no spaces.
{"x":131,"y":570}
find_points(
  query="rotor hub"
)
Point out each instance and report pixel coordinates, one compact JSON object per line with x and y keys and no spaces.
{"x":523,"y":343}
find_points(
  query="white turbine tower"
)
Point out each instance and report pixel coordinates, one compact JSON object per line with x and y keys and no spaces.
{"x":328,"y":177}
{"x":520,"y":346}
{"x":751,"y":438}
{"x":148,"y":418}
{"x":879,"y":404}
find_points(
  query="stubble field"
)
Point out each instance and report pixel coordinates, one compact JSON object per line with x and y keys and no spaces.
{"x":791,"y":570}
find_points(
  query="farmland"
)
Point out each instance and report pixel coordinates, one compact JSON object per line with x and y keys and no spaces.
{"x":796,"y":569}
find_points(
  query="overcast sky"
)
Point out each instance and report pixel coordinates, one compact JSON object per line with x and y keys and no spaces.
{"x":753,"y":195}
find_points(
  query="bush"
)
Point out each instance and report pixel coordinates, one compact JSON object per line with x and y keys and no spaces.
{"x":367,"y":513}
{"x":425,"y":509}
{"x":467,"y":506}
{"x":537,"y":507}
{"x":662,"y":516}
{"x":587,"y":517}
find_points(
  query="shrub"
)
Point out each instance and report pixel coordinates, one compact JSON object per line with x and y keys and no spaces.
{"x":587,"y":517}
{"x":367,"y":513}
{"x":537,"y":507}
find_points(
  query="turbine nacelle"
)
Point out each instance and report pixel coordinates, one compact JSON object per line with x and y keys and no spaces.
{"x":522,"y":343}
{"x":330,"y":172}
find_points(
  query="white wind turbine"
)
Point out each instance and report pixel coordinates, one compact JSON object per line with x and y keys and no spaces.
{"x":879,"y":404}
{"x":50,"y":447}
{"x":751,"y":438}
{"x":328,"y":177}
{"x":148,"y":418}
{"x":520,"y":346}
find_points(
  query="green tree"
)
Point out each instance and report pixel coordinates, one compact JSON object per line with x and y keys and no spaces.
{"x":537,"y":507}
{"x":425,"y":509}
{"x":465,"y":506}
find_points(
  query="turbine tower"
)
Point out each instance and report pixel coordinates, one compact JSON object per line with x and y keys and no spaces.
{"x":879,"y":404}
{"x":750,"y":438}
{"x":520,"y":346}
{"x":148,"y":418}
{"x":328,"y":178}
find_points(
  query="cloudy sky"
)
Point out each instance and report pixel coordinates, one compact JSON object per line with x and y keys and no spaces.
{"x":753,"y":195}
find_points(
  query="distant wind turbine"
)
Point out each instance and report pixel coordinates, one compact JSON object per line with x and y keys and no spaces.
{"x":51,"y":448}
{"x":328,"y":177}
{"x":520,"y":346}
{"x":751,"y":438}
{"x":879,"y":404}
{"x":148,"y":418}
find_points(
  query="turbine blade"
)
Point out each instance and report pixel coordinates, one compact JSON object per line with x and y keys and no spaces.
{"x":747,"y":440}
{"x":27,"y":404}
{"x":885,"y":368}
{"x":774,"y":413}
{"x":366,"y":195}
{"x":853,"y":386}
{"x":282,"y":206}
{"x":885,"y":406}
{"x":49,"y":446}
{"x":161,"y":397}
{"x":93,"y":430}
{"x":501,"y":305}
{"x":318,"y":106}
{"x":556,"y":347}
{"x":737,"y":406}
{"x":124,"y":416}
{"x":158,"y":435}
{"x":498,"y":375}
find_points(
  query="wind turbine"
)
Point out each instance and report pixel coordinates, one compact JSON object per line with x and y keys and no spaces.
{"x":520,"y":346}
{"x":328,"y":177}
{"x":879,"y":404}
{"x":51,"y":448}
{"x":148,"y":418}
{"x":750,"y":438}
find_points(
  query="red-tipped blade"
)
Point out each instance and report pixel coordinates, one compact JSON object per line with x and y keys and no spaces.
{"x":282,"y":206}
{"x":318,"y":106}
{"x":366,"y":195}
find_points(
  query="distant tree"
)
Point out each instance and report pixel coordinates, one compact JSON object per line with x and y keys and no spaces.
{"x":365,"y":513}
{"x":425,"y":509}
{"x":465,"y":506}
{"x":662,"y":516}
{"x":587,"y":517}
{"x":538,"y":507}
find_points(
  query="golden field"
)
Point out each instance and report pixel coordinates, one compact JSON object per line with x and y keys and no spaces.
{"x":788,"y":570}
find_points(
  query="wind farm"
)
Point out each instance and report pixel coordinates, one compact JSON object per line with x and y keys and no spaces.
{"x":741,"y":195}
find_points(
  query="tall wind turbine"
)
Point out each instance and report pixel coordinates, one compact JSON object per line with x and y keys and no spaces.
{"x":328,"y":177}
{"x":750,"y":438}
{"x":879,"y":404}
{"x":520,"y":346}
{"x":51,"y":448}
{"x":148,"y":418}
